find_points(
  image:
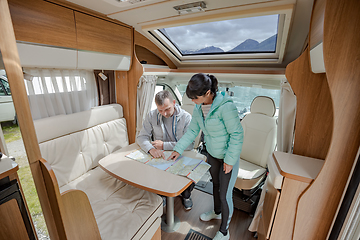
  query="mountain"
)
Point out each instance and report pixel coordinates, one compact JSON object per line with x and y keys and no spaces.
{"x":247,"y":45}
{"x":210,"y":49}
{"x":250,"y":45}
{"x":268,"y":44}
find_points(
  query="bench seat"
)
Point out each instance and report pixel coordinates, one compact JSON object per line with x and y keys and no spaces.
{"x":73,"y":145}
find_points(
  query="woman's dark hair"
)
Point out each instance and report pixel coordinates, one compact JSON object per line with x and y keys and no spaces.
{"x":199,"y":84}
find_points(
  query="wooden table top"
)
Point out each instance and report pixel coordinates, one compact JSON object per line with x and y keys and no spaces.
{"x":144,"y":176}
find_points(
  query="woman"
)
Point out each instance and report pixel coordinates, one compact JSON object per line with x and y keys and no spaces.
{"x":217,"y":116}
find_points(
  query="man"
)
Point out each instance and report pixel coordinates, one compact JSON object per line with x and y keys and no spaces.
{"x":162,"y":128}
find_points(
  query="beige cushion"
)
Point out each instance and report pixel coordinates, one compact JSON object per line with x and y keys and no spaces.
{"x":249,"y":175}
{"x":121,"y":211}
{"x":72,"y":155}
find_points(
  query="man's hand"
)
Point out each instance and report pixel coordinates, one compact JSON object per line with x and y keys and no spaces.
{"x":158,"y":144}
{"x":156,"y":153}
{"x":227,"y":168}
{"x":174,"y":155}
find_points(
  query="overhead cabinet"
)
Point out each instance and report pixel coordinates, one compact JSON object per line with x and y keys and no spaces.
{"x":50,"y":35}
{"x":43,"y":23}
{"x":94,"y":34}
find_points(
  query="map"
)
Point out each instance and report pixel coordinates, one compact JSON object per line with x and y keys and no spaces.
{"x":191,"y":168}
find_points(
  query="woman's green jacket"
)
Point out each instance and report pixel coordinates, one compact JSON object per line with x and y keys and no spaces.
{"x":223,"y":133}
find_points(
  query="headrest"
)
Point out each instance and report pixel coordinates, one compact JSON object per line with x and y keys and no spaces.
{"x":186,"y":100}
{"x":263,"y":105}
{"x":60,"y":125}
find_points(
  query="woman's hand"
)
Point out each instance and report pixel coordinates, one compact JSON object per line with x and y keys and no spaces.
{"x":174,"y":155}
{"x":227,"y":168}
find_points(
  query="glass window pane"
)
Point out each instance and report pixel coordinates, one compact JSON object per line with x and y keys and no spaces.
{"x":244,"y":35}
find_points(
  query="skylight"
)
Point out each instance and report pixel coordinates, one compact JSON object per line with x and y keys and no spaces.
{"x":236,"y":36}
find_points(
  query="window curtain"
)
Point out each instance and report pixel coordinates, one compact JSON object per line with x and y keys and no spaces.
{"x":145,"y":95}
{"x":105,"y":88}
{"x":53,"y":92}
{"x":286,"y":119}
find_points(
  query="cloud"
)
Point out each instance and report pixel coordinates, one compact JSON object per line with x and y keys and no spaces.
{"x":224,"y":34}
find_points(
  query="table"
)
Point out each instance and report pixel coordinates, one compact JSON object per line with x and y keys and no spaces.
{"x":150,"y":179}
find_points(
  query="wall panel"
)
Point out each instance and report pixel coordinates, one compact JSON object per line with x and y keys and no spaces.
{"x":314,"y":113}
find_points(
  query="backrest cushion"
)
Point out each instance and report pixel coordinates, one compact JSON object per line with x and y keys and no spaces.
{"x":73,"y":144}
{"x":263,"y":105}
{"x":259,"y":136}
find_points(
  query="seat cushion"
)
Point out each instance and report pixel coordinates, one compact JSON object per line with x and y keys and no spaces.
{"x":121,"y":211}
{"x":249,"y":175}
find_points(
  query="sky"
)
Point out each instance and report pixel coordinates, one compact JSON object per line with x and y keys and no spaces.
{"x":224,"y":34}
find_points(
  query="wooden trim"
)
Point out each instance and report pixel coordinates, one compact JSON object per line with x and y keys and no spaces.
{"x":314,"y":108}
{"x":142,"y":41}
{"x":271,"y":201}
{"x":157,"y":235}
{"x":229,"y":71}
{"x":317,"y":23}
{"x":284,"y":222}
{"x":318,"y":205}
{"x":79,"y":217}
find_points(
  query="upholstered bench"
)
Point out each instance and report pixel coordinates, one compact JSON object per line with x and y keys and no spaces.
{"x":73,"y":144}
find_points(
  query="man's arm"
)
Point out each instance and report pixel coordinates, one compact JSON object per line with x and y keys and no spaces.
{"x":144,"y":137}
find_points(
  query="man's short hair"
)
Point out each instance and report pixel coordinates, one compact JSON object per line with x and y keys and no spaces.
{"x":161,"y":96}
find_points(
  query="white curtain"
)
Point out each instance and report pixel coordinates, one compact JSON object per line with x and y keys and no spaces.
{"x":286,"y":119}
{"x":145,"y":95}
{"x":53,"y":92}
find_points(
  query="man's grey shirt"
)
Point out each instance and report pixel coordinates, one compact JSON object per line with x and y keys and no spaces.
{"x":169,"y":130}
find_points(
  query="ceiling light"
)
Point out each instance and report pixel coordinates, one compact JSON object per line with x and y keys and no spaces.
{"x":191,"y":7}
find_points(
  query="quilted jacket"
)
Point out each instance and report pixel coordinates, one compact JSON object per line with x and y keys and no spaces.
{"x":223,"y":133}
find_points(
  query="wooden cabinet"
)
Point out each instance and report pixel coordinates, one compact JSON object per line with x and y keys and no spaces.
{"x":42,"y":22}
{"x":98,"y":35}
{"x":279,"y":209}
{"x":15,"y":220}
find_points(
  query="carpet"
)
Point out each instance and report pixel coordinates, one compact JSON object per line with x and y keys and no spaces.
{"x":194,"y":235}
{"x":205,"y":184}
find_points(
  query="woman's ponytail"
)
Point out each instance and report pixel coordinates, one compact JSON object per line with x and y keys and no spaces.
{"x":214,"y":84}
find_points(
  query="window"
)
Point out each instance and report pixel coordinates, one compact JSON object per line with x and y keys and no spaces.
{"x":260,"y":38}
{"x":160,"y":87}
{"x":4,"y":88}
{"x":243,"y":35}
{"x":243,"y":96}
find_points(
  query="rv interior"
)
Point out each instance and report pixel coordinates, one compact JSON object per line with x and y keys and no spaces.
{"x":83,"y":75}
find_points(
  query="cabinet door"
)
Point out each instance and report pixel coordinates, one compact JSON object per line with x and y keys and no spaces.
{"x":12,"y":226}
{"x":270,"y":204}
{"x":42,"y":22}
{"x":98,"y":35}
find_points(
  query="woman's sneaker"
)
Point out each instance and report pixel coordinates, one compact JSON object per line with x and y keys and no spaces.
{"x":220,"y":236}
{"x":209,"y":216}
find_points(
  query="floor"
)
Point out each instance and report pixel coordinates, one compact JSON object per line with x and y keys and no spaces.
{"x":190,"y":220}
